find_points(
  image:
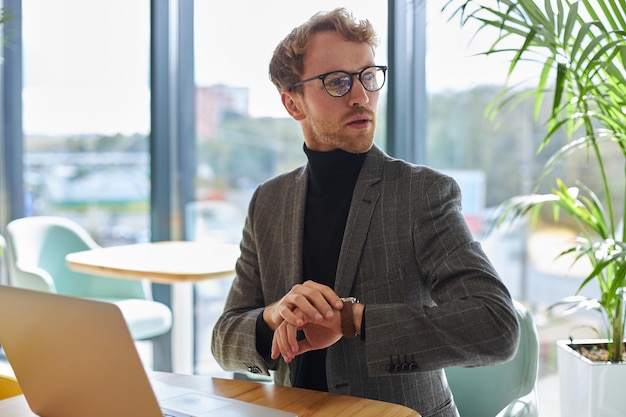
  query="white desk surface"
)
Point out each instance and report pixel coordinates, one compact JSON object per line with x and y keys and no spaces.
{"x":164,"y":262}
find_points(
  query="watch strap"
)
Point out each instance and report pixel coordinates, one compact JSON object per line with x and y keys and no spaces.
{"x":348,"y":329}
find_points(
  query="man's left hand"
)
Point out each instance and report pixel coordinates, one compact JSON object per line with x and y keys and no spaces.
{"x":318,"y":335}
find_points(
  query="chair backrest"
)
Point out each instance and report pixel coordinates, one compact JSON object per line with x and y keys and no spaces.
{"x":38,"y":246}
{"x":486,"y":390}
{"x":9,"y":387}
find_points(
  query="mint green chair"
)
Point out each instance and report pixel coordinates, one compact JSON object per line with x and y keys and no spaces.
{"x":37,"y":247}
{"x":505,"y":390}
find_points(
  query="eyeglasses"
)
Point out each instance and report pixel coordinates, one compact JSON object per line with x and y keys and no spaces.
{"x":339,"y":83}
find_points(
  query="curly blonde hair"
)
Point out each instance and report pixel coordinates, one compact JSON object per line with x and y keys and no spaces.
{"x":287,"y":61}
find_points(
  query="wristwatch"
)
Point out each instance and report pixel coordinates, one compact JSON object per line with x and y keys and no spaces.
{"x":348,"y":328}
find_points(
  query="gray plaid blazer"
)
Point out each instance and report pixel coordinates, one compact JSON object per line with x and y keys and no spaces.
{"x":432,"y":298}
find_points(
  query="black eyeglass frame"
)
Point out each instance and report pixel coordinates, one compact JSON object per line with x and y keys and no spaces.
{"x":358,"y":74}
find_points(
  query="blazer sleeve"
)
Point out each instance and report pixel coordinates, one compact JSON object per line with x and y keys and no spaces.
{"x":469,"y":319}
{"x":233,"y":342}
{"x":269,"y":264}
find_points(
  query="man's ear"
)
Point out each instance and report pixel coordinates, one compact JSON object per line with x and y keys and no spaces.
{"x":291,"y":101}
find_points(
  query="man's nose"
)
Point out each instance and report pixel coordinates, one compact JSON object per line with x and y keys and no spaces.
{"x":358,"y":93}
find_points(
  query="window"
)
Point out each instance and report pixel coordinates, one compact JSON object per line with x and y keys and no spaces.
{"x":86,"y":114}
{"x":86,"y":121}
{"x":243,"y":134}
{"x":493,"y":160}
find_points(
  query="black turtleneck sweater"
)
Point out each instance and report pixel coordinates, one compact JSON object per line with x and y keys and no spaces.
{"x":331,"y":180}
{"x":332,"y":176}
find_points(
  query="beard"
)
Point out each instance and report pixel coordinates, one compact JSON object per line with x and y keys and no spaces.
{"x":333,"y":134}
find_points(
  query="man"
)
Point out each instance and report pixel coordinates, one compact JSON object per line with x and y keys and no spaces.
{"x":356,"y":223}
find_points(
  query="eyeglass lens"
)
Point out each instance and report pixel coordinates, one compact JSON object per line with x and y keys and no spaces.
{"x":339,"y":83}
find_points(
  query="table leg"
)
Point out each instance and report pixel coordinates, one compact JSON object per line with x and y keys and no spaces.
{"x":183,"y":328}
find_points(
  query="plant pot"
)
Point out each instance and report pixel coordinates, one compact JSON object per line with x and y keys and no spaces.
{"x":589,"y":389}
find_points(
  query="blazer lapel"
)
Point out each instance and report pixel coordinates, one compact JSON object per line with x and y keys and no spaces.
{"x":295,"y":226}
{"x":364,"y":199}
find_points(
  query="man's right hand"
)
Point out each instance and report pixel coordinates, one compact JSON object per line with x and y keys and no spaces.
{"x":304,"y":303}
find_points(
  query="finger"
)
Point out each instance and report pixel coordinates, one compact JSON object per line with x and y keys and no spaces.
{"x":315,"y":300}
{"x":291,"y":313}
{"x":292,"y":339}
{"x":278,"y":348}
{"x":284,"y":342}
{"x":329,"y":294}
{"x":305,"y":300}
{"x":275,"y":353}
{"x":275,"y":313}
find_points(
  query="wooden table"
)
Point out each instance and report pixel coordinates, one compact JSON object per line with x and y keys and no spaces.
{"x":173,"y":262}
{"x":305,"y":403}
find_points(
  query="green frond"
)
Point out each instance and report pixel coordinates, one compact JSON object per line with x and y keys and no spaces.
{"x":580,"y":46}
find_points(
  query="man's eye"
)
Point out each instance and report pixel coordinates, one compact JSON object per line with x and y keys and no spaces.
{"x":337,"y":82}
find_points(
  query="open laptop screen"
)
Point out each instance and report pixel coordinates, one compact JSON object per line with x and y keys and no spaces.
{"x":75,"y":357}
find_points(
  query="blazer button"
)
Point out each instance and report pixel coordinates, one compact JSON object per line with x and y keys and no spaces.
{"x":254,"y":369}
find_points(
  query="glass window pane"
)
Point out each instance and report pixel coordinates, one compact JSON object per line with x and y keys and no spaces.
{"x":87,"y":114}
{"x":244,"y":135}
{"x":462,"y":141}
{"x":495,"y":159}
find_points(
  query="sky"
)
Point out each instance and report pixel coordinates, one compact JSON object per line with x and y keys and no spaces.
{"x":104,"y":88}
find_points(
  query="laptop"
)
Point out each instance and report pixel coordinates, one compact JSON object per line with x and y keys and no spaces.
{"x":75,"y":357}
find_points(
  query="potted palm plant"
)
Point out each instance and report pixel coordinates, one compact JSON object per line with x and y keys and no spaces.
{"x":580,"y":49}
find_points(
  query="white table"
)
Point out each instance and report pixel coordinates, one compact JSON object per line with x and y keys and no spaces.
{"x":172,"y":262}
